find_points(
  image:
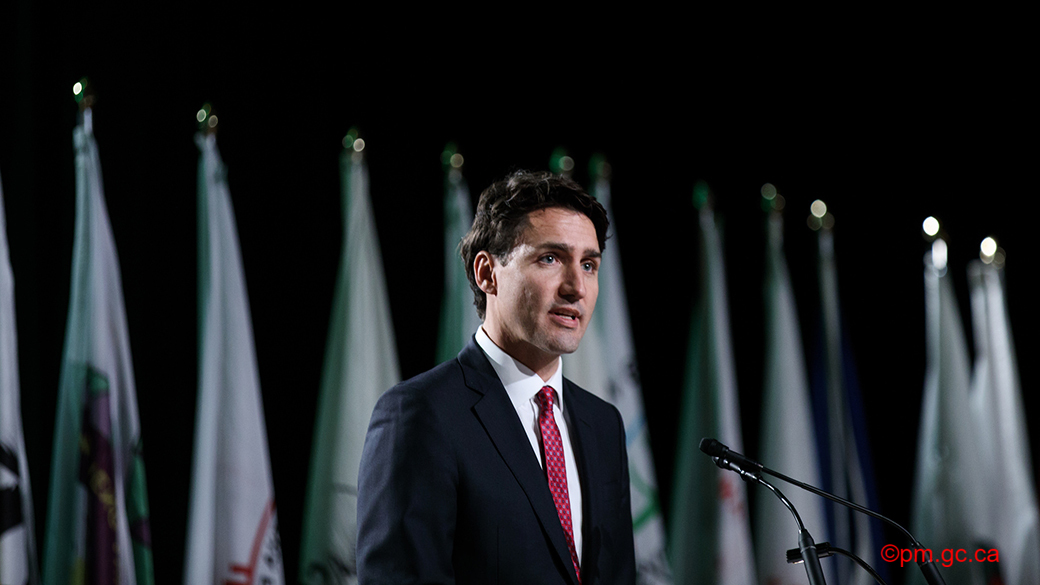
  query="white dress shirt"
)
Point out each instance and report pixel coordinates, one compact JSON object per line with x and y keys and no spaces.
{"x":522,"y":385}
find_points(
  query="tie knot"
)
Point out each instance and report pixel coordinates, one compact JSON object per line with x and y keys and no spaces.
{"x":545,"y":397}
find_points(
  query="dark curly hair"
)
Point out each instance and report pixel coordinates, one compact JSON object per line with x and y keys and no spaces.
{"x":502,"y":216}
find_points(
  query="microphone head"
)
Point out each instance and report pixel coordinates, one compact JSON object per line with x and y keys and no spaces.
{"x":712,"y":447}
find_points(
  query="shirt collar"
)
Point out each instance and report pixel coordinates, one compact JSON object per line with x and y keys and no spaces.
{"x":521,"y":383}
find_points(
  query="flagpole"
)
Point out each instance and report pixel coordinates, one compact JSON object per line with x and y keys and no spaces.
{"x":83,"y":92}
{"x":452,"y":160}
{"x":207,"y":119}
{"x":933,"y":231}
{"x":560,"y":162}
{"x":991,"y":253}
{"x":819,"y":217}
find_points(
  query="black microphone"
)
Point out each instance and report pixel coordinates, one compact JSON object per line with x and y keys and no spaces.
{"x":715,"y":449}
{"x":742,"y":465}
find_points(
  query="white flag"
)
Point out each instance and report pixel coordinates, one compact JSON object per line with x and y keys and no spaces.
{"x":232,"y":528}
{"x":709,"y":532}
{"x":947,"y":488}
{"x":788,"y":441}
{"x":97,"y":520}
{"x":996,"y":395}
{"x":360,"y":364}
{"x":17,"y":528}
{"x":608,"y":343}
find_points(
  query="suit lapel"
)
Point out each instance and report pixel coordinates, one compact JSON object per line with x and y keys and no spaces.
{"x":586,"y":451}
{"x":498,"y":417}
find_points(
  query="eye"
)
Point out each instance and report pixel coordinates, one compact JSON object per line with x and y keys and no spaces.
{"x":589,"y":266}
{"x":549,"y":259}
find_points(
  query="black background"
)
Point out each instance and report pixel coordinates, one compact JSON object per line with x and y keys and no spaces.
{"x":887,"y":119}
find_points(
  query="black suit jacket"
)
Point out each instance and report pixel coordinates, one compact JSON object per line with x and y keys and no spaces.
{"x":450,"y":490}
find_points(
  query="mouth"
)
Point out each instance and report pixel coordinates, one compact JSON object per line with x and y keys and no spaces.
{"x":566,"y":316}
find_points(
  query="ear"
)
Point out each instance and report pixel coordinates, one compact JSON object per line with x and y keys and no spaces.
{"x":484,"y":272}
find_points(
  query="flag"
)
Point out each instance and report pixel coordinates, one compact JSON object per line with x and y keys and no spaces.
{"x":97,"y":518}
{"x":996,"y":398}
{"x":709,"y":533}
{"x":458,"y":315}
{"x":17,"y":528}
{"x":360,"y":364}
{"x":232,"y":523}
{"x":845,"y":462}
{"x":788,"y":439}
{"x":607,"y":352}
{"x":945,"y":512}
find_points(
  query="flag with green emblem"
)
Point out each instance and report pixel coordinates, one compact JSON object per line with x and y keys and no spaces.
{"x":97,"y":519}
{"x":605,"y":364}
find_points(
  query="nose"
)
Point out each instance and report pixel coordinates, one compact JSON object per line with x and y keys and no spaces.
{"x":572,"y":288}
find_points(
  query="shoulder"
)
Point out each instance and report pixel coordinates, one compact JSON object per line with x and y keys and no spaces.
{"x":412,"y":422}
{"x":469,"y":369}
{"x":424,"y":391}
{"x":446,"y":390}
{"x":445,"y":375}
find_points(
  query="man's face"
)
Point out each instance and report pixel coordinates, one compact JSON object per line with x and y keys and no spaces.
{"x":544,"y":294}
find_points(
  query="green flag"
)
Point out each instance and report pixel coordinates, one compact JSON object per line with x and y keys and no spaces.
{"x":360,"y":364}
{"x":458,"y":315}
{"x":709,"y":532}
{"x":97,"y":519}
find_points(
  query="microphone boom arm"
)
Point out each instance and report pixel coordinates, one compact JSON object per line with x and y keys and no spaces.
{"x":734,"y":460}
{"x":806,"y":546}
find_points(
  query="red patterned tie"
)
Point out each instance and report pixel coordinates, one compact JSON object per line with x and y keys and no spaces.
{"x":556,"y":469}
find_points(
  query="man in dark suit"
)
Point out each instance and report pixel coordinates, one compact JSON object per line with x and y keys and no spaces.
{"x":492,"y":468}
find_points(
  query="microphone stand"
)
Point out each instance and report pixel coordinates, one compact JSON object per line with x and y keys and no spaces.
{"x":717,"y":450}
{"x":806,"y":545}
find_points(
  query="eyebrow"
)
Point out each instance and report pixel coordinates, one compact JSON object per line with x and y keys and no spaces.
{"x":589,"y":253}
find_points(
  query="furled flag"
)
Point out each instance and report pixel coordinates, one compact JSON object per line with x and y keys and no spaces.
{"x":845,"y":460}
{"x":709,"y":532}
{"x":788,"y":441}
{"x":947,"y":489}
{"x":97,"y":519}
{"x":360,"y":364}
{"x":996,"y":397}
{"x":232,"y":524}
{"x":17,"y":540}
{"x":610,"y":334}
{"x":458,"y":315}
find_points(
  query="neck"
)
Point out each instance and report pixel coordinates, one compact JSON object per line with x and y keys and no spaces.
{"x":542,"y":364}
